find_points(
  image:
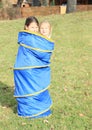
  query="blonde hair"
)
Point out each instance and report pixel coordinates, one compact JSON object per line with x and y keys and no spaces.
{"x":47,"y":22}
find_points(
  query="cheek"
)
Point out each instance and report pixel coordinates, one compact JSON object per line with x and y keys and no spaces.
{"x":37,"y":29}
{"x":49,"y":31}
{"x":29,"y":28}
{"x":41,"y":30}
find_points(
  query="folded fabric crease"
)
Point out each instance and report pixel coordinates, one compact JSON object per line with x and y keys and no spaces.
{"x":32,"y":75}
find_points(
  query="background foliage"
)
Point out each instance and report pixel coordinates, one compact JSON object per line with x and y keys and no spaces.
{"x":71,"y":65}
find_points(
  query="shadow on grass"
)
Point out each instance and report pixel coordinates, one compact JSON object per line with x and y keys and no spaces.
{"x":6,"y":97}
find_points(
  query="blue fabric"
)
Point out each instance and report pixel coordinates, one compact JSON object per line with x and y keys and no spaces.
{"x":32,"y":75}
{"x":37,"y":58}
{"x":33,"y":106}
{"x":31,"y":80}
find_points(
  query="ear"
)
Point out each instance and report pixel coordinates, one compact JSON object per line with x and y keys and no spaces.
{"x":26,"y":27}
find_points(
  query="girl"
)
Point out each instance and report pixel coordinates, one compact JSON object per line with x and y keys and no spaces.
{"x":45,"y":29}
{"x":32,"y":72}
{"x":31,"y":24}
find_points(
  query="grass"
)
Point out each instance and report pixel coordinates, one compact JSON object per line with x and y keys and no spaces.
{"x":71,"y":86}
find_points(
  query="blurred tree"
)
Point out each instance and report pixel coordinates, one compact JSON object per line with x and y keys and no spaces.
{"x":44,"y":2}
{"x":19,"y":2}
{"x":36,"y":3}
{"x":71,"y":6}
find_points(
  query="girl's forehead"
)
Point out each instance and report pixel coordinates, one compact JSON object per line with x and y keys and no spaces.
{"x":33,"y":23}
{"x":45,"y":25}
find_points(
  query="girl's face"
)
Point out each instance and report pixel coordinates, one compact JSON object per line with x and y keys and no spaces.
{"x":45,"y":29}
{"x":32,"y":27}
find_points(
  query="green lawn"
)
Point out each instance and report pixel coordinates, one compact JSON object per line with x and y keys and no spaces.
{"x":71,"y":64}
